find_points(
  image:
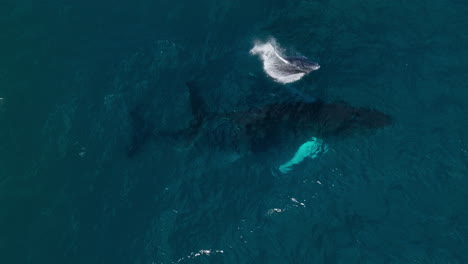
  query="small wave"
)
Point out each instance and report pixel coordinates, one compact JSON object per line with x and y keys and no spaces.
{"x":202,"y":252}
{"x":275,"y":64}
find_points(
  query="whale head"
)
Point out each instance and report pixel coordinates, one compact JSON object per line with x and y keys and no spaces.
{"x":340,"y":118}
{"x":303,"y":64}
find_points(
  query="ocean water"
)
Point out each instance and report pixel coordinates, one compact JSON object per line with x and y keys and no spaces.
{"x":80,"y":79}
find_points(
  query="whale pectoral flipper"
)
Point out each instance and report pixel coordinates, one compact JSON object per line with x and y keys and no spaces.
{"x":311,"y":149}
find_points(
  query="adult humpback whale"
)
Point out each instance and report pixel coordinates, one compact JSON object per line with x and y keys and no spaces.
{"x":264,"y":128}
{"x":301,"y":127}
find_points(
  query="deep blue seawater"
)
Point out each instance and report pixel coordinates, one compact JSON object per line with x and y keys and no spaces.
{"x":72,"y":71}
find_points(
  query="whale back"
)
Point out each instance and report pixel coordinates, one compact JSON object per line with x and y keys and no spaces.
{"x":302,"y":64}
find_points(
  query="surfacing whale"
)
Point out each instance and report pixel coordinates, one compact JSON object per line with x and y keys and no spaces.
{"x":282,"y":69}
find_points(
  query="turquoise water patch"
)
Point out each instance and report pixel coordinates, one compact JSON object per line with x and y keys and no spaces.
{"x":310,"y":149}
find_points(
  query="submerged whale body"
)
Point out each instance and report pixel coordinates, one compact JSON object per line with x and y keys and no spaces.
{"x":281,"y":68}
{"x":259,"y":129}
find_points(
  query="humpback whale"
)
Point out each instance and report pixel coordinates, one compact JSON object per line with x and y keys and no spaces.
{"x":264,"y":128}
{"x":281,"y":68}
{"x":299,"y":64}
{"x":295,"y":126}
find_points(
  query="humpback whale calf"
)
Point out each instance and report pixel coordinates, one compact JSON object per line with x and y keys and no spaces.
{"x":266,"y":128}
{"x":281,"y":68}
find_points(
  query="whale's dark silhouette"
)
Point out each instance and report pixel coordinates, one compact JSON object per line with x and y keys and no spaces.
{"x":258,"y":129}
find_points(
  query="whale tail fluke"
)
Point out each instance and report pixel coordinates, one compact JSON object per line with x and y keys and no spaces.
{"x":184,"y":138}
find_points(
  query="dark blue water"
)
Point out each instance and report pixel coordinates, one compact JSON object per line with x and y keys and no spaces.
{"x":72,"y":72}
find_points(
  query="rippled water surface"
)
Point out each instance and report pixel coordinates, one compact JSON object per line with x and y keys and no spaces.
{"x":79,"y":80}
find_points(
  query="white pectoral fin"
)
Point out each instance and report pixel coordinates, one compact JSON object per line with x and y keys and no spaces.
{"x":272,"y":49}
{"x":311,"y":149}
{"x":279,"y":57}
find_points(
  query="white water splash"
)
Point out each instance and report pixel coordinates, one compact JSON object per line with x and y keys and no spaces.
{"x":271,"y":55}
{"x":205,"y":252}
{"x":273,"y":211}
